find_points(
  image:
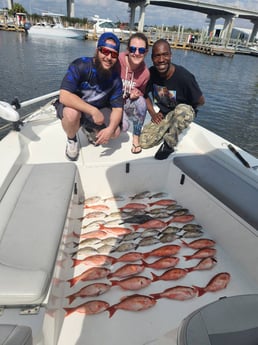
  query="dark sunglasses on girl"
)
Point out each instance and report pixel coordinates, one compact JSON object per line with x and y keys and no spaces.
{"x":106,"y":52}
{"x":133,"y":49}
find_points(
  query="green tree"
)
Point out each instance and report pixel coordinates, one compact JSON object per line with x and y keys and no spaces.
{"x":17,"y":8}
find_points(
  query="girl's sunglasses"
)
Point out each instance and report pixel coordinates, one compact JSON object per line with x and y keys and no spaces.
{"x":133,"y":49}
{"x":106,"y":52}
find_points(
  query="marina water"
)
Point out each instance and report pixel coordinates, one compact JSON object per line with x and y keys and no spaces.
{"x":33,"y":66}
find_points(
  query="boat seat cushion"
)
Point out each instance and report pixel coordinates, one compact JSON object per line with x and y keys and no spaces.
{"x":33,"y":214}
{"x":229,"y":320}
{"x":15,"y":335}
{"x":237,"y":193}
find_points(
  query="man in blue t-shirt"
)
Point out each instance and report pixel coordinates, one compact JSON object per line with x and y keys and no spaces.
{"x":172,"y":96}
{"x":91,"y":96}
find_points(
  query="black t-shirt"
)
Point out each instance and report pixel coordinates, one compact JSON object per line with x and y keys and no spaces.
{"x":182,"y":87}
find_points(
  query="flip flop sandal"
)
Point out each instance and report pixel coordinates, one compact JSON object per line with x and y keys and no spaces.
{"x":135,"y":148}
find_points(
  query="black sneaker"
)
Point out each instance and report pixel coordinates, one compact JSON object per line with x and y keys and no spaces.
{"x":164,"y":151}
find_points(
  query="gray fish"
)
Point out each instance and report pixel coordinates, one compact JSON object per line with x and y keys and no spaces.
{"x":173,"y":207}
{"x":150,"y":232}
{"x":141,"y":195}
{"x":125,"y":247}
{"x":135,"y":212}
{"x":118,"y":214}
{"x":180,"y":212}
{"x":192,"y":234}
{"x":159,"y":195}
{"x":157,"y":210}
{"x":132,"y":236}
{"x":171,"y":230}
{"x":162,"y":215}
{"x":94,"y":214}
{"x":166,"y":238}
{"x":114,"y":222}
{"x":137,"y":219}
{"x":106,"y":248}
{"x":115,"y":198}
{"x":147,"y":241}
{"x":85,"y":251}
{"x":110,"y":241}
{"x":92,"y":200}
{"x":87,"y":242}
{"x":191,"y":226}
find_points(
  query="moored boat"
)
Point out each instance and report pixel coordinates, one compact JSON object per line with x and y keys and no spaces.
{"x":50,"y":208}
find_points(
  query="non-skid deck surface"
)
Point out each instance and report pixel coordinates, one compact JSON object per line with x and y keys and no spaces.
{"x":128,"y":327}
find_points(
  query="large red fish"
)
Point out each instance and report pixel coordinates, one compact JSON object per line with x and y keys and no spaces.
{"x":167,"y":250}
{"x":127,"y":270}
{"x":90,"y":274}
{"x":162,"y":263}
{"x":218,"y":282}
{"x":181,"y":219}
{"x":91,"y":290}
{"x":201,"y":253}
{"x":130,"y":257}
{"x":163,"y":202}
{"x":133,"y":206}
{"x":116,"y":231}
{"x":204,"y":264}
{"x":172,"y":274}
{"x":200,"y":243}
{"x":179,"y":293}
{"x":95,"y":260}
{"x":97,"y":207}
{"x":133,"y":303}
{"x":150,"y":224}
{"x":89,"y":308}
{"x":132,"y":283}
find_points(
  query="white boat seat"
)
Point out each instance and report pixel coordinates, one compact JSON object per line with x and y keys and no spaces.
{"x":230,"y":320}
{"x":15,"y":335}
{"x":33,"y":213}
{"x":240,"y":195}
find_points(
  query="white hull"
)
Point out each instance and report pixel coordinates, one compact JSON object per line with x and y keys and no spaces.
{"x":56,"y":32}
{"x":110,"y":170}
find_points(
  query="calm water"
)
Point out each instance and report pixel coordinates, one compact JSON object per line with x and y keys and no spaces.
{"x":31,"y":67}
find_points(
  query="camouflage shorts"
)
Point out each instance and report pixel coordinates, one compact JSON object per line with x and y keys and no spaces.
{"x":169,"y":128}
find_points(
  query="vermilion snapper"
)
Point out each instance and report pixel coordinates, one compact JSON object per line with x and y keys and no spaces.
{"x":132,"y":283}
{"x":89,"y":308}
{"x":200,"y":243}
{"x":172,"y":274}
{"x":133,"y":303}
{"x":95,"y":260}
{"x":167,"y":250}
{"x":204,"y":264}
{"x":202,"y":253}
{"x":90,"y":274}
{"x":162,"y":263}
{"x":179,"y":293}
{"x":218,"y":282}
{"x":91,"y":290}
{"x":127,"y":270}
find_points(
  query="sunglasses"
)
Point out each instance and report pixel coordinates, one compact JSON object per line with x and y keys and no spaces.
{"x":106,"y":52}
{"x":133,"y":49}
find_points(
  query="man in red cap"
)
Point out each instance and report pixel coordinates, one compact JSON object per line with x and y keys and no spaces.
{"x":90,"y":86}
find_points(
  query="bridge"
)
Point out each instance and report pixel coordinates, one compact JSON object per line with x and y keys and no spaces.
{"x":213,"y":12}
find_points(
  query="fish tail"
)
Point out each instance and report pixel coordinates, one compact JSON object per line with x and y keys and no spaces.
{"x":71,"y":298}
{"x":111,"y":310}
{"x":200,"y":291}
{"x":154,"y":277}
{"x":155,"y":295}
{"x":114,"y":282}
{"x":184,"y":243}
{"x":188,"y":257}
{"x":76,"y":262}
{"x":189,"y":269}
{"x":72,"y":281}
{"x":135,"y":227}
{"x":69,"y":311}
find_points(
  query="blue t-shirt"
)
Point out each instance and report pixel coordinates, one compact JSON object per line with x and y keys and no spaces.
{"x":82,"y":79}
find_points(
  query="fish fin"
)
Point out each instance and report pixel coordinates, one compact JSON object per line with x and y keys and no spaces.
{"x":200,"y":291}
{"x":135,"y":227}
{"x":154,"y":277}
{"x":69,"y":311}
{"x":76,"y":262}
{"x":71,"y":298}
{"x":111,"y":310}
{"x":155,"y":295}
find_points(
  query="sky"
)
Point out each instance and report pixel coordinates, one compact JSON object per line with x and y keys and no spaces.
{"x":154,"y":15}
